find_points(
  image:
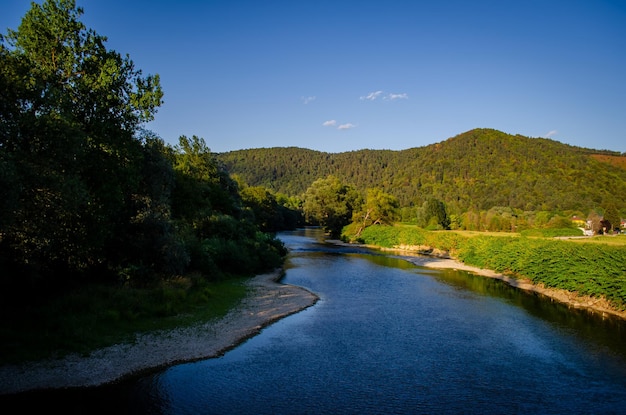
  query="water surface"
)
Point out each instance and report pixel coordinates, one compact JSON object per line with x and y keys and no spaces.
{"x":391,"y":337}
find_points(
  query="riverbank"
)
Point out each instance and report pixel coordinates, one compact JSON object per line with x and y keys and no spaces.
{"x":571,"y":299}
{"x":268,"y":301}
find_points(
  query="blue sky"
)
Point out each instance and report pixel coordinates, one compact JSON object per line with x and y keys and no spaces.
{"x":347,"y":75}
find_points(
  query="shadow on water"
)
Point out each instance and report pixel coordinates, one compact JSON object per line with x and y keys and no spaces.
{"x":602,"y":330}
{"x":604,"y":339}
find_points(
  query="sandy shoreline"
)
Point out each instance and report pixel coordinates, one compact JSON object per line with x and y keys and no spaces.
{"x":268,"y":301}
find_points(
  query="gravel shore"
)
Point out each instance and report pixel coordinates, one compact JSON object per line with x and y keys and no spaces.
{"x":268,"y":301}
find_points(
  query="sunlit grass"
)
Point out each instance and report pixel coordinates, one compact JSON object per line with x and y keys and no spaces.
{"x":613,"y":240}
{"x":590,"y":266}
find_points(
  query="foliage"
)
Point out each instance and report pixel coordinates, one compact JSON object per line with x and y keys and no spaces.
{"x":552,"y":232}
{"x":331,"y":203}
{"x":593,"y":269}
{"x":68,"y":151}
{"x":612,"y":217}
{"x":270,"y":211}
{"x":379,"y":208}
{"x":434,"y":215}
{"x":473,"y":171}
{"x":92,"y":197}
{"x":221,"y":238}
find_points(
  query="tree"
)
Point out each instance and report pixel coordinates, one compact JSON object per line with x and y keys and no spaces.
{"x":379,"y":208}
{"x":596,"y":222}
{"x":611,"y":217}
{"x":264,"y":207}
{"x":330,"y":203}
{"x":435,"y":214}
{"x":69,"y":116}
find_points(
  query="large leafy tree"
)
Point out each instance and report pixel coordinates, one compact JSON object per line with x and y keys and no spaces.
{"x":69,"y":153}
{"x":331,"y":203}
{"x":434,"y":214}
{"x":380,"y":208}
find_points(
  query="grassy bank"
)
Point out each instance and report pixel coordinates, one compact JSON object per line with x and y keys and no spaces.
{"x":595,"y":267}
{"x":98,"y":316}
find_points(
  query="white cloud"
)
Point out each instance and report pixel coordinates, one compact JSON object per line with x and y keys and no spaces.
{"x":346,"y":126}
{"x":372,"y":95}
{"x":329,"y":123}
{"x":392,"y":97}
{"x":306,"y":100}
{"x":551,"y":133}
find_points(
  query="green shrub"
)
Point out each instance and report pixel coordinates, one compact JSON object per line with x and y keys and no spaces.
{"x":597,"y":270}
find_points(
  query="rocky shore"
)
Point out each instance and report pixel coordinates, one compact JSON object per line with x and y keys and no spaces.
{"x":268,"y":301}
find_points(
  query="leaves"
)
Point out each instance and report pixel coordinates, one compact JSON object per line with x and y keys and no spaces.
{"x":476,"y":170}
{"x":331,"y":203}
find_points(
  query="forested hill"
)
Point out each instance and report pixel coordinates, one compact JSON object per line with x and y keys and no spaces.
{"x":478,"y":169}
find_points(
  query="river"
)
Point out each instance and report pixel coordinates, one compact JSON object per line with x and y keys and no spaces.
{"x":389,"y":337}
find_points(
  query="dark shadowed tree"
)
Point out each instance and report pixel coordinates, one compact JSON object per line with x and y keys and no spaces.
{"x":70,"y":112}
{"x":331,"y":203}
{"x":611,"y":218}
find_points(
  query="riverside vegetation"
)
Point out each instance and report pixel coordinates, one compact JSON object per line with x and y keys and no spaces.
{"x":107,"y":231}
{"x":595,"y":268}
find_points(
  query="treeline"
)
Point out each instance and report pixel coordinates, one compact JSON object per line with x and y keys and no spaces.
{"x":475,"y":171}
{"x":88,"y":195}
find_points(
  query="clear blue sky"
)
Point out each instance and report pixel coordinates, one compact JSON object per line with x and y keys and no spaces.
{"x":346,"y":75}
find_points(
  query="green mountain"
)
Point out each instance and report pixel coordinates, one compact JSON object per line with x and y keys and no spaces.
{"x":478,"y":169}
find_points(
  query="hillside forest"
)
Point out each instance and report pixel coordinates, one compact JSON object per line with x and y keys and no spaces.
{"x":484,"y":179}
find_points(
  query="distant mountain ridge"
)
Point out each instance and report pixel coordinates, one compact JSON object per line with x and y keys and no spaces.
{"x":478,"y":169}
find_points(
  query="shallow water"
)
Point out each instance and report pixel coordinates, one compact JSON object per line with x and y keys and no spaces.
{"x":390,"y":337}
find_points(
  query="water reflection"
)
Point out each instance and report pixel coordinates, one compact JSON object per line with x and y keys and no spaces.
{"x":391,"y":337}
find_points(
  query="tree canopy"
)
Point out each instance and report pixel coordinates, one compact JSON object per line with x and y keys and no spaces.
{"x":473,"y":171}
{"x":90,"y":195}
{"x":330,"y":203}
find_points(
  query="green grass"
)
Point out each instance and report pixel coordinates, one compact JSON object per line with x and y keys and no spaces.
{"x":98,"y":316}
{"x":587,"y":266}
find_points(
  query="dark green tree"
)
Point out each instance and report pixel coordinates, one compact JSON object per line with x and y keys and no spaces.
{"x":435,"y":214}
{"x":611,"y":217}
{"x":379,"y":208}
{"x":70,"y":112}
{"x":331,"y":203}
{"x":263,"y":206}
